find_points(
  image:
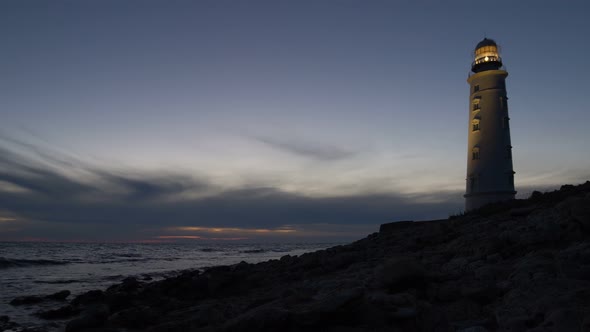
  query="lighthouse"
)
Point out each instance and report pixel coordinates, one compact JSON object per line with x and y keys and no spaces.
{"x":490,"y":175}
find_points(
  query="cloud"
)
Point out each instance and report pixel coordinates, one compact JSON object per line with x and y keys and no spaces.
{"x":303,"y":149}
{"x":101,"y":203}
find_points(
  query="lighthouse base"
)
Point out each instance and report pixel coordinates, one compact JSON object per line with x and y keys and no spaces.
{"x":477,"y":200}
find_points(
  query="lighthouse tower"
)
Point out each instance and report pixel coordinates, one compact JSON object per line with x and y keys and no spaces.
{"x":490,"y":176}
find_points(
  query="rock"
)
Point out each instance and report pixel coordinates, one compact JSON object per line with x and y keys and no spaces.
{"x":404,"y":313}
{"x":102,"y":329}
{"x":522,"y":212}
{"x":512,"y":319}
{"x":535,"y":266}
{"x":128,"y":285}
{"x":456,"y":265}
{"x":480,"y":293}
{"x":61,"y":313}
{"x":432,"y":319}
{"x":336,"y":300}
{"x":461,"y":310}
{"x":135,"y":318}
{"x":265,"y":318}
{"x":94,"y":316}
{"x":394,"y":226}
{"x":59,"y":296}
{"x":342,"y":260}
{"x":487,"y":273}
{"x":562,"y":320}
{"x":474,"y":329}
{"x":447,"y":292}
{"x":494,"y":258}
{"x":89,"y":297}
{"x":392,"y":300}
{"x":7,"y":325}
{"x":209,"y":314}
{"x":401,"y":273}
{"x":516,"y":324}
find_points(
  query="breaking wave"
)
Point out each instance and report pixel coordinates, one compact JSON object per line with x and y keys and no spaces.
{"x":6,"y":263}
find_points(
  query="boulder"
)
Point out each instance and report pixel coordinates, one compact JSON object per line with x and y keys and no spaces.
{"x":59,"y":296}
{"x":398,"y":274}
{"x":66,"y":311}
{"x":265,"y":318}
{"x":134,"y":318}
{"x":7,"y":325}
{"x":395,"y":226}
{"x":432,"y":319}
{"x":93,"y":317}
{"x":90,"y":297}
{"x":562,"y":319}
{"x":474,"y":329}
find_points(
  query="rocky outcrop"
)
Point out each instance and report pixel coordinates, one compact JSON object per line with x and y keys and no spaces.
{"x":516,"y":266}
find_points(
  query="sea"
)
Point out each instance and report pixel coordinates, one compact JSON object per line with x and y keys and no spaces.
{"x":39,"y":268}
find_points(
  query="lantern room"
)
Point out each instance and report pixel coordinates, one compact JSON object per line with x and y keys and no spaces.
{"x":486,"y":56}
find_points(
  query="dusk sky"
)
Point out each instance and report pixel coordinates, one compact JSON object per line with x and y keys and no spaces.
{"x":276,"y":120}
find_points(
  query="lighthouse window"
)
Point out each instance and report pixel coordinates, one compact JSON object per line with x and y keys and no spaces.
{"x":475,"y":124}
{"x":476,"y":88}
{"x":475,"y":154}
{"x":476,"y":106}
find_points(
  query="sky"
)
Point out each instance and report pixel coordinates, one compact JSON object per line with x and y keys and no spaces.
{"x":307,"y":120}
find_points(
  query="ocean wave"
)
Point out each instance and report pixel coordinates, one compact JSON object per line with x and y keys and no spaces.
{"x":253,"y":251}
{"x":6,"y":263}
{"x":126,"y":255}
{"x":57,"y":282}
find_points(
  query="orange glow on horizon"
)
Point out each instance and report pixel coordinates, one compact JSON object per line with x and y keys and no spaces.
{"x":196,"y":237}
{"x":171,"y":237}
{"x":232,"y":230}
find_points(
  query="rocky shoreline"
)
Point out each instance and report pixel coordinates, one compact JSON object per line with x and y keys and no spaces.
{"x":522,"y":265}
